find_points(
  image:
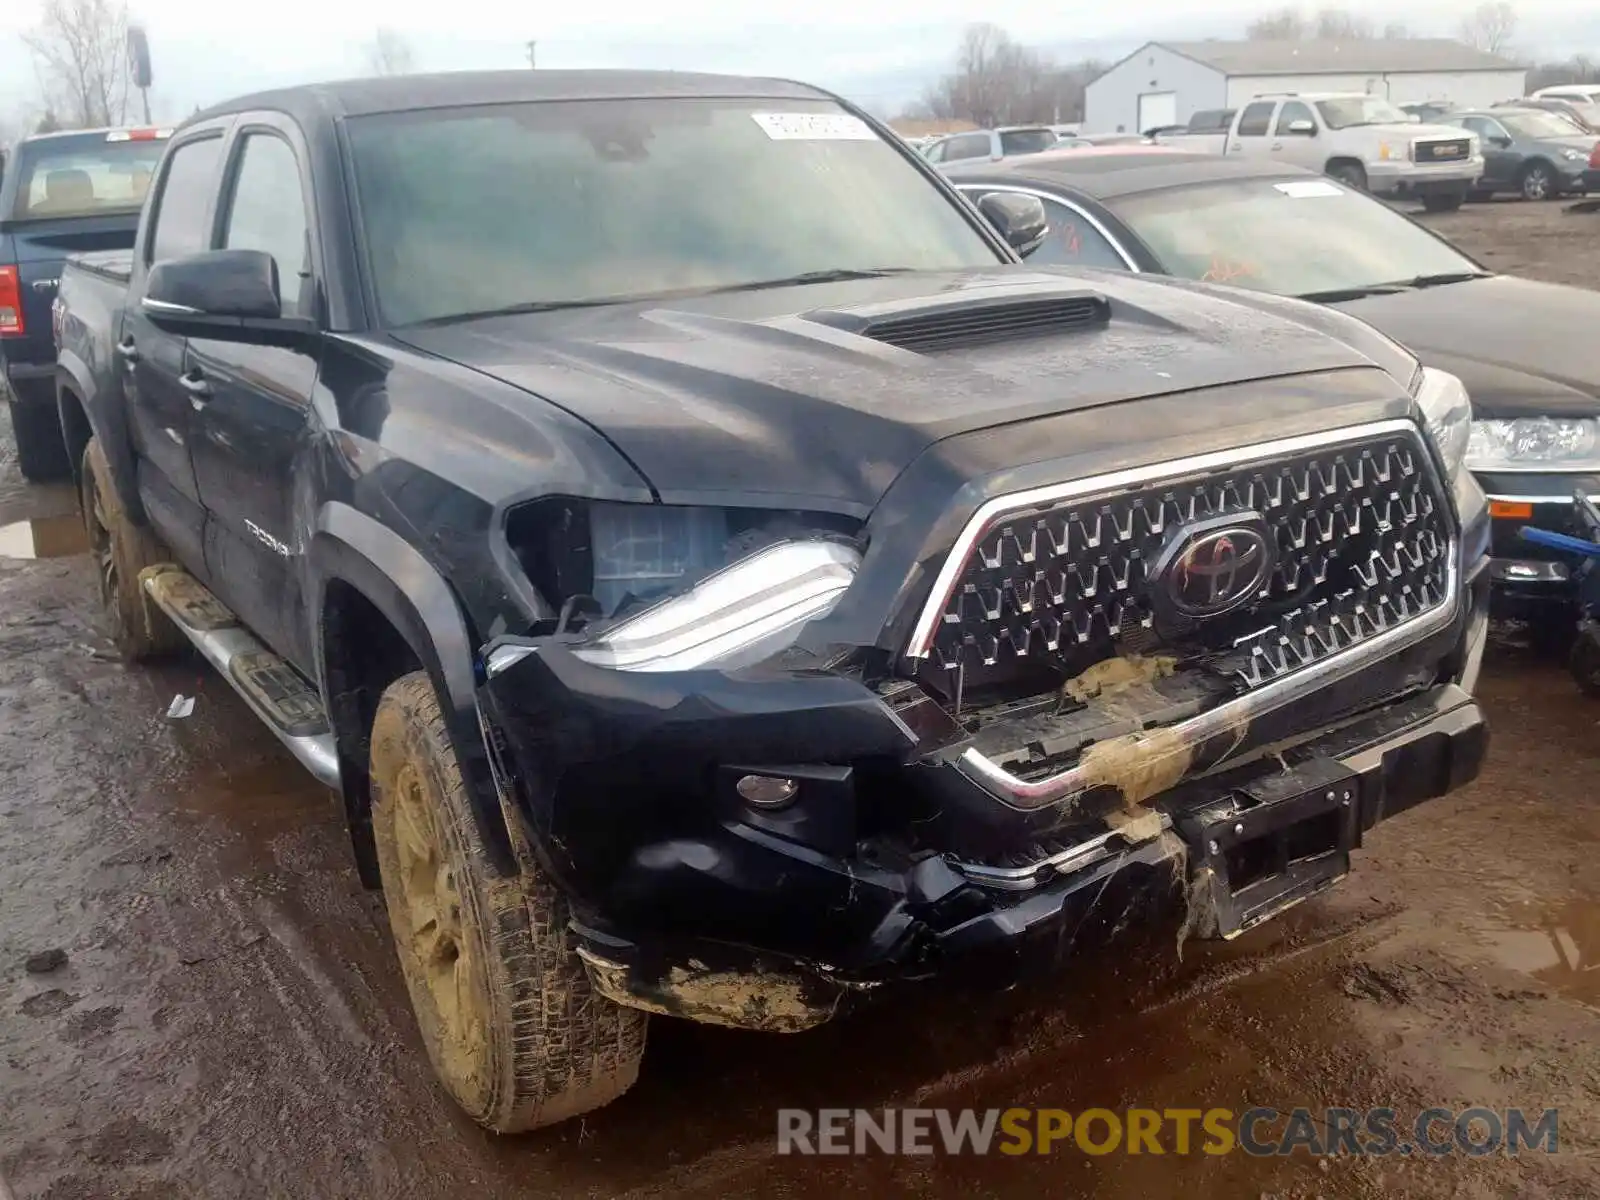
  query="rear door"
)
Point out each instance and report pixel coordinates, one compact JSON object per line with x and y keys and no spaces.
{"x":253,"y":417}
{"x":151,"y":359}
{"x":1252,"y":135}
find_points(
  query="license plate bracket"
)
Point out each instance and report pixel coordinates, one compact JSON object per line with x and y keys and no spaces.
{"x":1273,"y":843}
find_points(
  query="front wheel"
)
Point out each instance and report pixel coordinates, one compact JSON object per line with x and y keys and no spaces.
{"x":512,"y":1025}
{"x":1351,"y":174}
{"x":1538,"y":182}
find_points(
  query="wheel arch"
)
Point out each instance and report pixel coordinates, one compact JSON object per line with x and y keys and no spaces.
{"x":1344,"y":160}
{"x":381,"y":611}
{"x":86,"y":413}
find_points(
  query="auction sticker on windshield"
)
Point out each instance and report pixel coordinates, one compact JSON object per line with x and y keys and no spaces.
{"x":1306,"y":189}
{"x":825,"y":126}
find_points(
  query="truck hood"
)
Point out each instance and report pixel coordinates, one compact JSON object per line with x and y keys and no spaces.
{"x":1524,"y":349}
{"x":776,"y":398}
{"x":1421,"y":130}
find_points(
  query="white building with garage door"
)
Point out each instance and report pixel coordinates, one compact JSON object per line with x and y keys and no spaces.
{"x":1164,"y":83}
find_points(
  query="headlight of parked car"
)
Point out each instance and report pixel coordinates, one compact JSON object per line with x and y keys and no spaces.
{"x":1535,"y":444}
{"x":1448,"y":412}
{"x":1573,"y":155}
{"x":655,"y":587}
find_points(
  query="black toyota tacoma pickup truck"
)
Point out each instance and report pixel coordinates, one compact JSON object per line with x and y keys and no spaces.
{"x":721,"y":577}
{"x":63,"y":193}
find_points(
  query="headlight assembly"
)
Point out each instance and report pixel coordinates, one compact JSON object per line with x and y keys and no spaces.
{"x":1447,"y":411}
{"x":734,"y":617}
{"x":1535,"y":444}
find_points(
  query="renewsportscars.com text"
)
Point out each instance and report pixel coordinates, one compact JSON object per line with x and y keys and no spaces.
{"x":1213,"y":1131}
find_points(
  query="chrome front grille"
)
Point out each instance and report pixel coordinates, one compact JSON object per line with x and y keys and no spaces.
{"x":1361,"y":539}
{"x":1442,"y":150}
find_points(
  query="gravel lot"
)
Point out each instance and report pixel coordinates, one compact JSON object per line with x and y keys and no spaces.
{"x":229,"y":1020}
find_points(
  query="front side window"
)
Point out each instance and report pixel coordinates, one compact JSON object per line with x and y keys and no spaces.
{"x":185,"y":201}
{"x":469,"y":211}
{"x":1535,"y":124}
{"x":968,"y":145}
{"x":1073,"y":241}
{"x":267,"y":212}
{"x":1291,"y":112}
{"x":1255,"y":119}
{"x":1290,"y":237}
{"x":1348,"y":112}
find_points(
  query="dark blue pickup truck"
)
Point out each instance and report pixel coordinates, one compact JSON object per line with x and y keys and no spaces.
{"x":61,"y":193}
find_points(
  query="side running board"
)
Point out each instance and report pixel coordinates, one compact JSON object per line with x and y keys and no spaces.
{"x":274,"y":690}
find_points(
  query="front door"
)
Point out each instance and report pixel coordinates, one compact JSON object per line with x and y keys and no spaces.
{"x":1301,"y":148}
{"x":253,"y":420}
{"x":151,"y":360}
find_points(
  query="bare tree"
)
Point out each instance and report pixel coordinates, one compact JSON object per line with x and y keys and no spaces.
{"x":1341,"y":25}
{"x":1490,"y":27}
{"x":1327,"y":25}
{"x":999,"y":81}
{"x":80,"y":52}
{"x":1285,"y":25}
{"x":388,"y":53}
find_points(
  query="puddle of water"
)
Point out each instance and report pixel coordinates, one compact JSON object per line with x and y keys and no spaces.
{"x":1559,"y":945}
{"x":44,"y":537}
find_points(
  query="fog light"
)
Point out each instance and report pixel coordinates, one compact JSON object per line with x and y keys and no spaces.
{"x":766,"y":791}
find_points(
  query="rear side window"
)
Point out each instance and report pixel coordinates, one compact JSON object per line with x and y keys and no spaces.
{"x":81,"y":177}
{"x":185,"y":199}
{"x":1256,"y":118}
{"x":1026,"y":141}
{"x":268,"y":212}
{"x":968,"y":145}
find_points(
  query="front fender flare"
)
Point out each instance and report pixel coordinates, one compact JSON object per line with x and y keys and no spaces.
{"x":350,"y":546}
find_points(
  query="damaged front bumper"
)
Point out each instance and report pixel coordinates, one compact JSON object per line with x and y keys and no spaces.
{"x":749,"y":848}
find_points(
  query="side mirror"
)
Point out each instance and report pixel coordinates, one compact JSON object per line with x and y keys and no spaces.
{"x":229,"y":294}
{"x":1303,"y":128}
{"x":1500,"y":141}
{"x":1020,"y":219}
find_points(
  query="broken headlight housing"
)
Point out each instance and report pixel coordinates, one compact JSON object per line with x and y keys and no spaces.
{"x":675,"y":588}
{"x":1535,"y":444}
{"x":1447,"y":412}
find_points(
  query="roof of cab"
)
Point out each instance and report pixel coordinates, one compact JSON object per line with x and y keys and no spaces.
{"x":1124,"y":170}
{"x":459,"y":89}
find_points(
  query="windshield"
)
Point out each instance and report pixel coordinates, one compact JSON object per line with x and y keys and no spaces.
{"x":1360,"y":110}
{"x":1534,"y":123}
{"x":1288,"y":237}
{"x":81,"y":177}
{"x":1026,"y":141}
{"x":478,"y":210}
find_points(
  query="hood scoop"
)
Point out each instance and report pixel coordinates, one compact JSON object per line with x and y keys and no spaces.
{"x":959,"y":322}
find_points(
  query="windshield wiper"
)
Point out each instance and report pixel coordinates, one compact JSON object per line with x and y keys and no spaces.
{"x":1444,"y":277}
{"x":834,"y":275}
{"x":1334,"y":295}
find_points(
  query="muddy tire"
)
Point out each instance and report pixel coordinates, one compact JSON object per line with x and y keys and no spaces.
{"x":41,"y":449}
{"x":121,"y":550}
{"x":514,"y":1029}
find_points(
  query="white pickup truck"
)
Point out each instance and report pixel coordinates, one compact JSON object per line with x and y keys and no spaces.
{"x":1363,"y":141}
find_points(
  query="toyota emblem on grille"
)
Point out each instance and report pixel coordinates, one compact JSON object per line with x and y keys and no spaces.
{"x":1218,"y":571}
{"x":1211,"y":567}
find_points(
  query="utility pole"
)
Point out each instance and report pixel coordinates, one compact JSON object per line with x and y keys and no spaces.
{"x":531,"y":46}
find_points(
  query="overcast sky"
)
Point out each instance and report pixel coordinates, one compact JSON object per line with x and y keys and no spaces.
{"x":878,"y":52}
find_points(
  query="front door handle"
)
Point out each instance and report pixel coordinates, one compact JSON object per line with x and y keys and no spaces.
{"x":129,"y":352}
{"x":198,"y":387}
{"x":1277,"y":145}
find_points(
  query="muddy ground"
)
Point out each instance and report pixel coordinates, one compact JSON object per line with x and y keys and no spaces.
{"x":229,"y":1021}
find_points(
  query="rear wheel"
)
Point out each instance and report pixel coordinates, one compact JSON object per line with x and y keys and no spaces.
{"x":121,"y":551}
{"x":41,"y":450}
{"x":1538,"y":182}
{"x":1351,"y":174}
{"x":512,"y":1025}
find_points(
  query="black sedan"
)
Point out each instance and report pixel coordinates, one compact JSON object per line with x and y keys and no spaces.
{"x":1524,"y":349}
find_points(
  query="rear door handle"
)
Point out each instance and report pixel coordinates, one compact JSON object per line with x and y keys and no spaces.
{"x":129,"y":352}
{"x":198,"y":387}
